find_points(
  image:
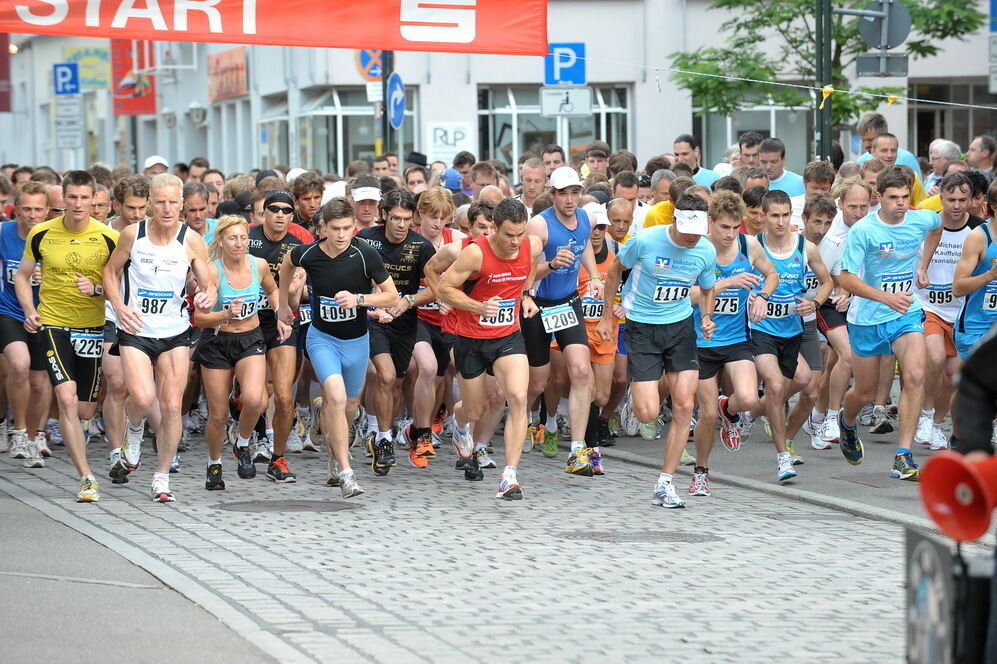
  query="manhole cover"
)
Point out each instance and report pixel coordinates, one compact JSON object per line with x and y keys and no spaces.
{"x":287,"y":506}
{"x":813,"y":517}
{"x":638,"y":536}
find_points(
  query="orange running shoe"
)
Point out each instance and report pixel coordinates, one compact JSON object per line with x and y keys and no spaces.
{"x":416,"y":459}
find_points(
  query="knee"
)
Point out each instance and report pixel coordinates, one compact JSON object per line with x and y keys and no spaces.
{"x":682,"y":408}
{"x":386,"y":379}
{"x":645,"y":413}
{"x":282,"y":400}
{"x":915,"y":375}
{"x":17,"y":370}
{"x":580,"y":373}
{"x":516,"y":399}
{"x":600,"y":395}
{"x":252,"y":403}
{"x":143,"y":397}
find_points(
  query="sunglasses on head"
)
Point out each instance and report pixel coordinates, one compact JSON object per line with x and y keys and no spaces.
{"x":280,"y":209}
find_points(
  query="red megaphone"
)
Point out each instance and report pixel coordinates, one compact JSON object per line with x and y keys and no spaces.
{"x":960,"y":495}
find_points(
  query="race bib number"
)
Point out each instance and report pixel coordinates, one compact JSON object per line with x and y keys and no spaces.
{"x":781,"y":307}
{"x":727,"y":305}
{"x":263,"y":302}
{"x":990,"y":297}
{"x":592,"y":309}
{"x":87,"y":344}
{"x":246,"y":309}
{"x":810,"y":281}
{"x":898,"y":282}
{"x":305,"y":314}
{"x":153,"y":302}
{"x":11,"y":269}
{"x":429,"y":306}
{"x":558,"y":317}
{"x":940,"y":294}
{"x":331,"y":312}
{"x":506,"y":315}
{"x":670,"y":290}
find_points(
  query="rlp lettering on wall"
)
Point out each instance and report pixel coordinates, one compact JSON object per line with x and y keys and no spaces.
{"x":446,"y":139}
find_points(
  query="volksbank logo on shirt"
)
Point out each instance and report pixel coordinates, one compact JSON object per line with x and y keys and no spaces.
{"x":886,"y":248}
{"x":662,"y":262}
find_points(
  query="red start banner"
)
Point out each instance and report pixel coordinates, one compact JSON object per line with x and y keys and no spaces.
{"x":500,"y":27}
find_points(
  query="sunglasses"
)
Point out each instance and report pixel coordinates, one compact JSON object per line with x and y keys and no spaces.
{"x":280,"y":209}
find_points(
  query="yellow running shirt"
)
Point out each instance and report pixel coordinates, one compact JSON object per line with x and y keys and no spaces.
{"x":62,"y":255}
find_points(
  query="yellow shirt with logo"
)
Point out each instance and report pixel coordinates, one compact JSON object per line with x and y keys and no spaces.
{"x":660,"y":214}
{"x":63,"y":254}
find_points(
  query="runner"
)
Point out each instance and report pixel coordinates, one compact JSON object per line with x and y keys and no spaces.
{"x":878,"y":269}
{"x":489,"y":286}
{"x":772,"y":157}
{"x":666,"y":262}
{"x":72,"y":250}
{"x":342,"y":270}
{"x":154,"y":332}
{"x":28,"y":388}
{"x":741,"y":265}
{"x":232,"y":346}
{"x":564,"y":232}
{"x":975,"y":279}
{"x":365,"y":194}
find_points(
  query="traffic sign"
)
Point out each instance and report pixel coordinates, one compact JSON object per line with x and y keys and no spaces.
{"x":369,"y":64}
{"x":396,"y":101}
{"x":66,"y":78}
{"x":888,"y":30}
{"x":69,"y":122}
{"x":882,"y":63}
{"x":565,"y":101}
{"x":565,"y":65}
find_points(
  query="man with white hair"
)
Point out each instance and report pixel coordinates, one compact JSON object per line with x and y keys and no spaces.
{"x":365,"y":195}
{"x":940,"y":153}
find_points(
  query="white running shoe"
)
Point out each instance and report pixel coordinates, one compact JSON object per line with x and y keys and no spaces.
{"x":831,"y":432}
{"x":262,"y":450}
{"x":666,"y":496}
{"x":924,"y":434}
{"x":4,"y":443}
{"x":865,"y":415}
{"x":628,"y":418}
{"x":34,"y":458}
{"x":700,"y":484}
{"x":54,"y":432}
{"x":484,"y":461}
{"x":463,"y":441}
{"x":816,"y":432}
{"x":89,"y":490}
{"x":41,"y":442}
{"x":294,"y":442}
{"x":161,"y":491}
{"x":131,"y":449}
{"x":348,"y":484}
{"x":939,"y":441}
{"x":18,"y":441}
{"x":747,"y":423}
{"x":785,"y":469}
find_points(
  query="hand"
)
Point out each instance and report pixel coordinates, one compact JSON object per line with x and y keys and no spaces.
{"x":232,"y":309}
{"x":445,"y":308}
{"x":400,"y":307}
{"x":597,"y":289}
{"x":922,"y":278}
{"x":285,"y":314}
{"x":841,"y":301}
{"x":346,"y":299}
{"x":805,"y":306}
{"x":283,"y":330}
{"x":205,"y":301}
{"x":993,"y":271}
{"x":563,"y":258}
{"x":708,"y":326}
{"x":129,"y":319}
{"x":489,"y":308}
{"x":32,"y":322}
{"x":745,"y":280}
{"x":619,"y":312}
{"x":934,"y":191}
{"x":36,"y":276}
{"x":298,"y":279}
{"x":605,"y":328}
{"x":84,"y":284}
{"x":529,"y":307}
{"x":899,"y":302}
{"x":380,"y":315}
{"x":758,"y":308}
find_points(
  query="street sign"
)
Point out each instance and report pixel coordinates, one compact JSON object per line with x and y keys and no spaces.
{"x":396,"y":101}
{"x":375,"y":91}
{"x":566,"y":102}
{"x":565,"y":65}
{"x":369,"y":64}
{"x":881,"y":64}
{"x":69,"y":122}
{"x":889,"y":30}
{"x":66,"y":78}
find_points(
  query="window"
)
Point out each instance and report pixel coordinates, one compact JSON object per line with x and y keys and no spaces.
{"x":509,"y":122}
{"x":930,"y":121}
{"x":274,"y":147}
{"x":794,"y":126}
{"x":336,"y":126}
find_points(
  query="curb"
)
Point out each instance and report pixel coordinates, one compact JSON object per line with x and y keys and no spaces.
{"x":244,"y":626}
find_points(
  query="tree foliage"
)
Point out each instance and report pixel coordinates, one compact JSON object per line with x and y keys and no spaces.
{"x":773,"y":40}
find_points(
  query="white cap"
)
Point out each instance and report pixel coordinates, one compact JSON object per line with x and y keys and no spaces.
{"x":692,"y":222}
{"x":293,"y":173}
{"x":597,"y":214}
{"x":366,"y":194}
{"x":565,"y":177}
{"x":154,"y":160}
{"x":332,"y":190}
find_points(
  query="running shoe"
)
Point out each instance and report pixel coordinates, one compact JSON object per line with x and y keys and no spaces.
{"x":606,"y":436}
{"x":939,"y":441}
{"x":424,"y":446}
{"x":19,"y":445}
{"x":131,"y":449}
{"x":246,"y":469}
{"x":509,"y":490}
{"x":666,"y":496}
{"x":865,"y":415}
{"x":924,"y":434}
{"x":184,"y":443}
{"x":687,"y":459}
{"x":539,"y":436}
{"x":308,"y":443}
{"x":402,"y":439}
{"x":315,"y":426}
{"x":348,"y":484}
{"x":89,"y":490}
{"x":369,"y":439}
{"x":831,"y":432}
{"x":436,"y":440}
{"x":615,"y":425}
{"x":700,"y":484}
{"x":118,"y":472}
{"x":531,"y":434}
{"x":811,"y":427}
{"x":579,"y":464}
{"x":550,"y":444}
{"x":463,"y":441}
{"x":472,"y":471}
{"x":466,"y":463}
{"x":791,"y":448}
{"x":649,"y":430}
{"x":161,"y":491}
{"x":41,"y":443}
{"x":595,"y":458}
{"x":277,"y":471}
{"x":34,"y":458}
{"x":851,"y":446}
{"x":628,"y":418}
{"x":175,"y":463}
{"x":294,"y":442}
{"x":784,"y":468}
{"x":4,"y":442}
{"x":415,"y":459}
{"x":54,"y":432}
{"x":383,"y":457}
{"x":881,"y":423}
{"x":484,"y":461}
{"x":747,"y":424}
{"x":332,"y":476}
{"x":262,"y":450}
{"x":730,"y":432}
{"x":904,"y":468}
{"x":766,"y":426}
{"x":214,"y":481}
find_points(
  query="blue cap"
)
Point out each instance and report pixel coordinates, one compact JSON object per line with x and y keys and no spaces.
{"x":451,"y":179}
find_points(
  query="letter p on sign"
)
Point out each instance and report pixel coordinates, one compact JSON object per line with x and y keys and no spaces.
{"x":565,"y":65}
{"x":66,"y":78}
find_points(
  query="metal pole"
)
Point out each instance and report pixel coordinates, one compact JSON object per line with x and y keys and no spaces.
{"x":387,"y":68}
{"x":824,"y":44}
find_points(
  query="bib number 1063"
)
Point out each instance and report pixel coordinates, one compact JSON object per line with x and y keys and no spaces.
{"x":506,"y":315}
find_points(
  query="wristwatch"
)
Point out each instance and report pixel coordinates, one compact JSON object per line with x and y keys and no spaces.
{"x":765,"y":296}
{"x":410,"y":299}
{"x":360,"y":300}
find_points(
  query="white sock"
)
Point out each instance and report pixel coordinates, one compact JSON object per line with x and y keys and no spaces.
{"x":371,"y":422}
{"x":161,"y":476}
{"x":383,"y":435}
{"x":345,"y":473}
{"x":136,"y":427}
{"x":270,"y":434}
{"x":832,"y":414}
{"x":534,"y":417}
{"x":509,"y":474}
{"x":479,"y":446}
{"x":665,"y":478}
{"x":816,"y":415}
{"x":782,"y":455}
{"x":576,"y":445}
{"x":214,"y":461}
{"x":241,"y":442}
{"x":562,"y":407}
{"x":928,"y":413}
{"x":552,"y":423}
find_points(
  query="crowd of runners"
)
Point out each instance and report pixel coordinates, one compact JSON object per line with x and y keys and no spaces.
{"x":575,"y":298}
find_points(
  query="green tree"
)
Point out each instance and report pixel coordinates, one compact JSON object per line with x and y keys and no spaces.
{"x":767,"y":38}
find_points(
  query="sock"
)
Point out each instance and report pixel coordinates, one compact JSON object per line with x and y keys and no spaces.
{"x":240,"y":441}
{"x":344,"y":473}
{"x":161,"y":476}
{"x":303,"y":413}
{"x":509,"y":473}
{"x":211,"y":462}
{"x":371,"y":422}
{"x":733,"y":417}
{"x":270,"y":434}
{"x":551,"y":423}
{"x":534,"y":417}
{"x":383,"y":435}
{"x":136,"y":428}
{"x":832,"y":414}
{"x":782,"y":455}
{"x":701,"y":469}
{"x":562,"y":407}
{"x":275,"y":456}
{"x":902,"y":450}
{"x":576,"y":445}
{"x":480,"y":446}
{"x":846,"y":425}
{"x":665,"y":478}
{"x":421,"y":431}
{"x":816,"y":415}
{"x":928,"y":413}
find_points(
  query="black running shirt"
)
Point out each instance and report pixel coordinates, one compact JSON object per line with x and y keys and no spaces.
{"x":404,"y":262}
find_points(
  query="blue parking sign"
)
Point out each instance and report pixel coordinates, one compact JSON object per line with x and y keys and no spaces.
{"x":66,"y":78}
{"x":565,"y":65}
